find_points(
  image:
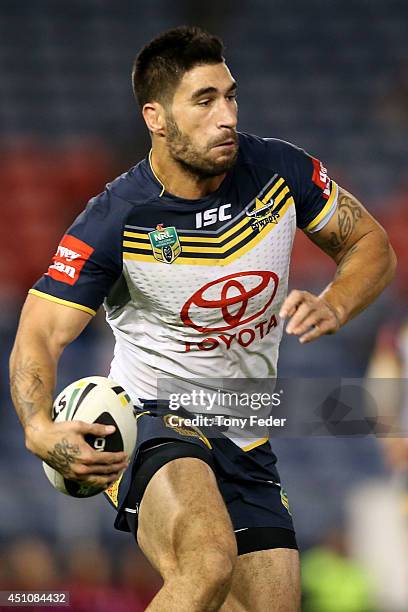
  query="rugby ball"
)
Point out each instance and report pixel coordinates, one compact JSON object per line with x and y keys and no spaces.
{"x":95,"y":399}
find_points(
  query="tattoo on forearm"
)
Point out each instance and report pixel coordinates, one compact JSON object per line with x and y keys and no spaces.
{"x":28,"y":390}
{"x":345,"y":260}
{"x":63,"y":455}
{"x":349,"y":213}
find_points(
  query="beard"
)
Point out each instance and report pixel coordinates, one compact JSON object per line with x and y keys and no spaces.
{"x":196,"y":161}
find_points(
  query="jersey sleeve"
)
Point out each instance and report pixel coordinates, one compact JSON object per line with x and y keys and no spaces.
{"x":315,"y":193}
{"x":88,"y":259}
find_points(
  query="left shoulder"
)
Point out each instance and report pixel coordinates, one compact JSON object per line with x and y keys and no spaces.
{"x":313,"y":191}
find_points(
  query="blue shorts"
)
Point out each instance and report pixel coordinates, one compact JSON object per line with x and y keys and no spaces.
{"x":247,"y":479}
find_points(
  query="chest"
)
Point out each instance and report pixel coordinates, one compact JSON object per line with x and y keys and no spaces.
{"x":212,"y":281}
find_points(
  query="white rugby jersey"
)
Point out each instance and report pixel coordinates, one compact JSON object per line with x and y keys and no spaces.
{"x":193,"y":288}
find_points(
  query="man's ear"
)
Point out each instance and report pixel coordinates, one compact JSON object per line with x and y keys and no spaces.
{"x":154,"y":116}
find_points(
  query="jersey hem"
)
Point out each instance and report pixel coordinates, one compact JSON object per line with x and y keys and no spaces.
{"x":52,"y":298}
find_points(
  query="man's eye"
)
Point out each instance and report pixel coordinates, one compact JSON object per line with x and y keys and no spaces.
{"x":204,"y":103}
{"x":232,"y":96}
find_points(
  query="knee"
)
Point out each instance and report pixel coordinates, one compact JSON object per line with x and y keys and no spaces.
{"x":215,"y":568}
{"x":204,"y":571}
{"x":211,"y":570}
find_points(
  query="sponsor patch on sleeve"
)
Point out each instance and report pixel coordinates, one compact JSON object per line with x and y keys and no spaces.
{"x":69,"y":259}
{"x":320,"y":177}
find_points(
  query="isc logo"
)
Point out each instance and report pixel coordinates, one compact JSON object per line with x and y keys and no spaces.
{"x":212,"y":215}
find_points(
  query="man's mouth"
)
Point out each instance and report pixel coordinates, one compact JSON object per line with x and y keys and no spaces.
{"x":226,"y":143}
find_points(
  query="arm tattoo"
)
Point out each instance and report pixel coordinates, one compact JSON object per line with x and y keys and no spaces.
{"x":62,"y":456}
{"x":349,"y":213}
{"x":28,"y":390}
{"x":350,"y":253}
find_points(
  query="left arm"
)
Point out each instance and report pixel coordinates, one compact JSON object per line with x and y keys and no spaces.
{"x":366,"y":264}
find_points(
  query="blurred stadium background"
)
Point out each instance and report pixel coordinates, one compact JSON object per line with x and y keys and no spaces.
{"x":328,"y":75}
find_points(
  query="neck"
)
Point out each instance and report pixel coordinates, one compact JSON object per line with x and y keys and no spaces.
{"x":178,"y":180}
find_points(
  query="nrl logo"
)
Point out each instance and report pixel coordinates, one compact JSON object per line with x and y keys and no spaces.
{"x":263,"y":214}
{"x":165,"y":243}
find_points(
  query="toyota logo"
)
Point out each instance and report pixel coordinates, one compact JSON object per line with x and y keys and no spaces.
{"x":230,"y":295}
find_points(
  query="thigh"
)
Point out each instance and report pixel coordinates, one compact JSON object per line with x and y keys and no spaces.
{"x":157,"y":443}
{"x":267,"y":580}
{"x":183,"y":518}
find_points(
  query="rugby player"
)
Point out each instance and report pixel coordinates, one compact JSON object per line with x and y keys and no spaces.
{"x":189,"y":252}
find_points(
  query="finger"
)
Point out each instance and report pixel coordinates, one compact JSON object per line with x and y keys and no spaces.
{"x":83,"y":473}
{"x":97,"y":429}
{"x":109,"y":470}
{"x":302,"y":313}
{"x":320,"y":329}
{"x":320,"y":319}
{"x":99,"y":482}
{"x":313,"y":319}
{"x":105,"y":481}
{"x":105,"y":458}
{"x":291,"y":303}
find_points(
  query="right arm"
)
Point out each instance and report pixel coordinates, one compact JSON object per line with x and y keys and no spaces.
{"x":45,"y":329}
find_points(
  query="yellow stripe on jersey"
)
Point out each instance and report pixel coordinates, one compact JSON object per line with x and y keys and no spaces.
{"x":272,"y":191}
{"x":219,"y":250}
{"x":52,"y":298}
{"x":325,"y":209}
{"x":254,"y":444}
{"x":142,"y":413}
{"x":135,"y":235}
{"x":214,"y":240}
{"x":241,"y":224}
{"x":200,"y":249}
{"x":279,"y":197}
{"x":145,"y":246}
{"x":197,"y":261}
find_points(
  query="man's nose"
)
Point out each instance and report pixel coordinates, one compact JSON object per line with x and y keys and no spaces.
{"x":228,"y":115}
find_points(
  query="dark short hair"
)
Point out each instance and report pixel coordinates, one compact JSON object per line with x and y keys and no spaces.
{"x":162,"y":63}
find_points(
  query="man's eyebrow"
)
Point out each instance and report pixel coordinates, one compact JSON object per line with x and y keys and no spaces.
{"x":203,"y":91}
{"x":210,"y":90}
{"x":233,"y":88}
